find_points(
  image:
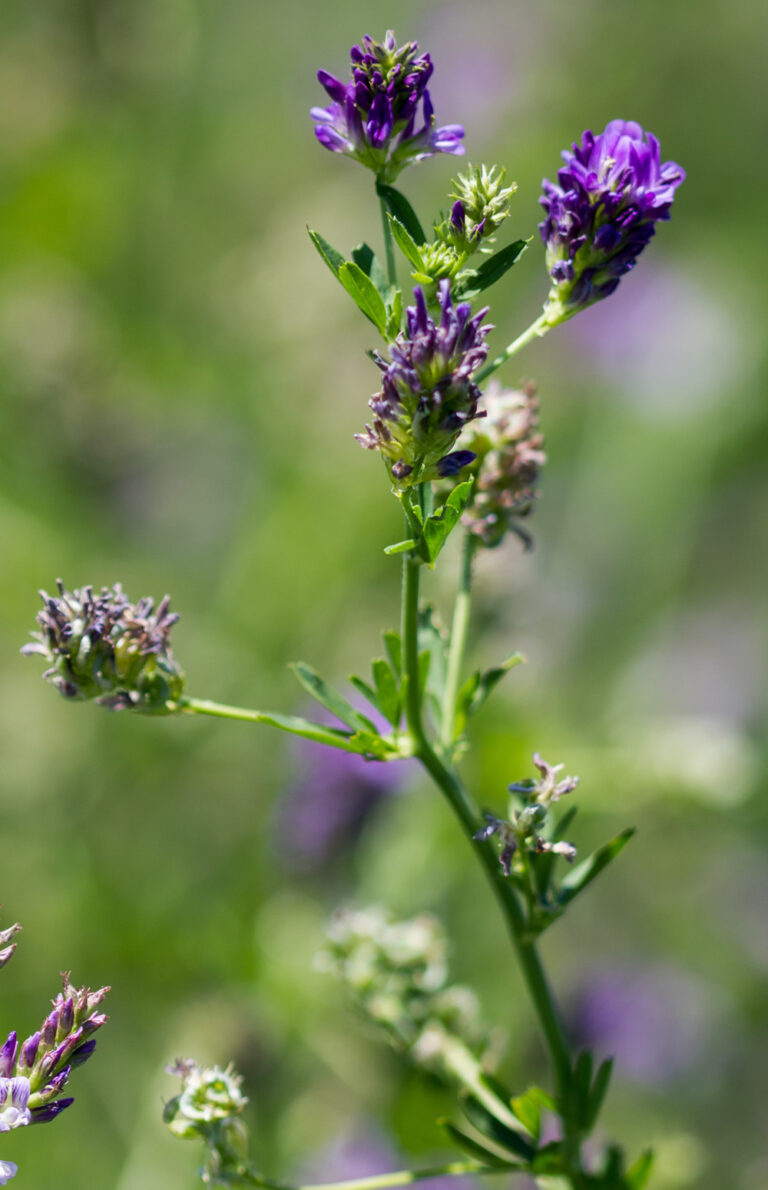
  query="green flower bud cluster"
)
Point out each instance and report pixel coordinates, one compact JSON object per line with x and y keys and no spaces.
{"x":103,"y":647}
{"x":481,"y":203}
{"x":397,"y":973}
{"x":208,"y":1109}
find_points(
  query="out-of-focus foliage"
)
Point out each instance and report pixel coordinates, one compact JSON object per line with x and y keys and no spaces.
{"x":180,"y":383}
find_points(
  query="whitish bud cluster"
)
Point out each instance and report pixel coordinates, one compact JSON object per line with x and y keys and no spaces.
{"x":397,"y":972}
{"x":526,"y":830}
{"x":510,"y":455}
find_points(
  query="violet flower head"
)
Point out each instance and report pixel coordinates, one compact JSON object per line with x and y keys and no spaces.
{"x":383,"y":117}
{"x":601,"y":213}
{"x":428,"y":394}
{"x":103,"y":647}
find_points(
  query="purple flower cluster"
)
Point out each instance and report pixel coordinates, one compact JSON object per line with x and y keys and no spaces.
{"x":34,"y":1074}
{"x":601,"y":213}
{"x":428,"y":394}
{"x":373,"y":118}
{"x":103,"y":647}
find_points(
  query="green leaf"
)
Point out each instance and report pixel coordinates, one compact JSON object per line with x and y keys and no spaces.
{"x":401,"y":547}
{"x":476,"y":689}
{"x":474,"y":1148}
{"x":394,"y":649}
{"x":394,"y":314}
{"x":581,"y":1083}
{"x":397,"y":204}
{"x":365,"y":295}
{"x":580,"y":877}
{"x":640,"y":1171}
{"x":481,"y":1119}
{"x":406,"y":243}
{"x":333,"y":736}
{"x":366,"y":690}
{"x":366,"y":259}
{"x":387,"y":691}
{"x":542,"y":1098}
{"x":370,"y":743}
{"x":331,"y":699}
{"x":597,"y":1093}
{"x":437,"y":528}
{"x":529,"y":1114}
{"x":332,"y":258}
{"x":475,"y":281}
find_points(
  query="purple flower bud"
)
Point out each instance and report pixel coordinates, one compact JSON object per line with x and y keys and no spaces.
{"x":373,"y":117}
{"x":602,"y":212}
{"x":29,"y":1053}
{"x":8,"y":1055}
{"x":41,"y":1115}
{"x":83,"y":1052}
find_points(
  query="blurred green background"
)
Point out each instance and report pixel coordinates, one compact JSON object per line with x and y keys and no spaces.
{"x":180,"y":382}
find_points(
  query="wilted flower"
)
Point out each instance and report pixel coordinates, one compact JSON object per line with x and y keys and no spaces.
{"x":397,"y":972}
{"x":525,"y":831}
{"x":509,"y":450}
{"x":428,"y":394}
{"x":103,"y":647}
{"x":373,"y":118}
{"x":602,"y":212}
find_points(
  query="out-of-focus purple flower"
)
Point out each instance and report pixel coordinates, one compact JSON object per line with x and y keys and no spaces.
{"x":333,"y":797}
{"x":601,"y":213}
{"x":658,"y":1022}
{"x":8,"y":1170}
{"x":383,"y":117}
{"x":428,"y":394}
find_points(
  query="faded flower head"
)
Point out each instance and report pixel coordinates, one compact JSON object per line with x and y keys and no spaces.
{"x":428,"y":394}
{"x":103,"y":647}
{"x":7,"y":945}
{"x":383,"y":117}
{"x":510,"y":455}
{"x":601,"y":213}
{"x":397,"y":972}
{"x":527,"y":830}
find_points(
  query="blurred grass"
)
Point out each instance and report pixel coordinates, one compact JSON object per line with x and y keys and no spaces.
{"x":180,"y":383}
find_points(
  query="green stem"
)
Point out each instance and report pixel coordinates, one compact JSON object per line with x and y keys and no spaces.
{"x":333,"y":737}
{"x":534,"y":331}
{"x":389,"y":244}
{"x":401,"y":1177}
{"x":459,"y":629}
{"x":468,"y":815}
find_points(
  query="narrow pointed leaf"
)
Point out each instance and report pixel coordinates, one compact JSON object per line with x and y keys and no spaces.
{"x":387,"y":691}
{"x":491,"y":271}
{"x":394,"y":314}
{"x":528,"y":1113}
{"x":598,"y":1092}
{"x":406,"y":243}
{"x":332,"y":258}
{"x":365,"y":295}
{"x":394,"y":649}
{"x":366,"y":259}
{"x":331,"y":699}
{"x":492,"y":677}
{"x":397,"y":204}
{"x":580,"y":877}
{"x":481,"y":1119}
{"x":474,"y":1148}
{"x":639,"y":1173}
{"x":320,"y":732}
{"x":401,"y":547}
{"x":367,"y":691}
